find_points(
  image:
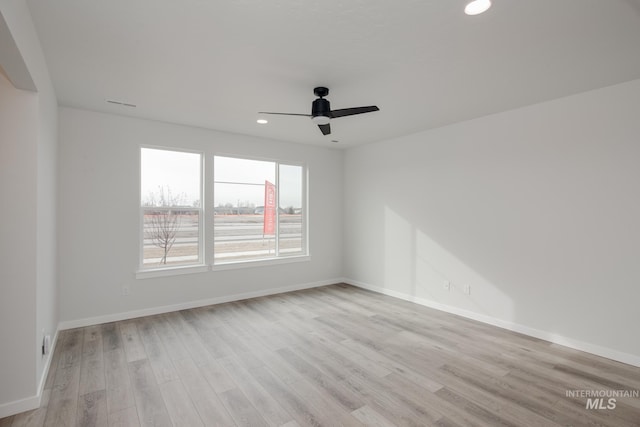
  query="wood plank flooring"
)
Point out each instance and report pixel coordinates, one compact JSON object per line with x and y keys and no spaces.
{"x":329,"y":356}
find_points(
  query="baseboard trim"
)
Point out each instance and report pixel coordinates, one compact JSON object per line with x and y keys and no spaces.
{"x":31,"y":402}
{"x":89,"y":321}
{"x":597,"y":350}
{"x":17,"y":406}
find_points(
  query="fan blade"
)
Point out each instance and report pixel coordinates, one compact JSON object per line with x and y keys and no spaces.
{"x":326,"y":129}
{"x":285,"y":114}
{"x":353,"y":111}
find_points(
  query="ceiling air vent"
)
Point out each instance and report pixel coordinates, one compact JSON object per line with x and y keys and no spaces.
{"x":125,"y":104}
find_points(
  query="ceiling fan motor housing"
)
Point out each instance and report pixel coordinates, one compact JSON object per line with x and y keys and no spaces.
{"x":321,"y":107}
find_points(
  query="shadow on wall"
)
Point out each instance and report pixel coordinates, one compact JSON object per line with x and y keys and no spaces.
{"x":416,"y":265}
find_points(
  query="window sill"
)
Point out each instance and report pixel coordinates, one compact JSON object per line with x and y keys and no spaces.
{"x":171,"y":271}
{"x":234,"y":265}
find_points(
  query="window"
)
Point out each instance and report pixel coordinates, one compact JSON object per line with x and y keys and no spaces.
{"x":259,"y":210}
{"x":256,"y":212}
{"x":170,"y":208}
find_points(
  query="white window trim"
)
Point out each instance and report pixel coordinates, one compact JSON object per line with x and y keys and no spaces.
{"x":234,"y":265}
{"x":279,"y":259}
{"x":181,"y":269}
{"x":171,"y":271}
{"x":206,"y":261}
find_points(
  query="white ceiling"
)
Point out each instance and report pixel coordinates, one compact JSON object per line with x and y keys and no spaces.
{"x":216,"y":63}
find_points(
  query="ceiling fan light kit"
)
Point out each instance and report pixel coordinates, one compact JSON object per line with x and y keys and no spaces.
{"x":321,"y":112}
{"x":321,"y":120}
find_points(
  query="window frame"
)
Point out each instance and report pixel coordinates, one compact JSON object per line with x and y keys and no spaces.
{"x":145,"y":271}
{"x":206,"y":231}
{"x":304,"y":227}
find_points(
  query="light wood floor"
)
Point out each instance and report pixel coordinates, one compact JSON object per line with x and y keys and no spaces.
{"x":329,"y":356}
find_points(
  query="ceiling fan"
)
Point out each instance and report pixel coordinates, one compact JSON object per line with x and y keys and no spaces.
{"x":321,"y":112}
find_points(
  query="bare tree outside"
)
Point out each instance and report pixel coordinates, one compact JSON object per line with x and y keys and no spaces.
{"x":162,"y":225}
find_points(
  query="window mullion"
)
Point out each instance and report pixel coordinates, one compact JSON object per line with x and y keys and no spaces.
{"x":201,"y":217}
{"x":277,"y":166}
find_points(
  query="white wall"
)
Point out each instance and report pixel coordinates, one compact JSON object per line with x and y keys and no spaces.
{"x":28,"y":246}
{"x":47,"y":244}
{"x":17,"y":242}
{"x":536,"y":209}
{"x":99,"y":223}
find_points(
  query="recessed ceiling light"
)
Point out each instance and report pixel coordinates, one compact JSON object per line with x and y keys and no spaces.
{"x":476,"y":7}
{"x":262,"y":121}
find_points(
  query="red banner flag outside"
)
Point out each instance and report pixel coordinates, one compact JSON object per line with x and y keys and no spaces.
{"x":269,"y":208}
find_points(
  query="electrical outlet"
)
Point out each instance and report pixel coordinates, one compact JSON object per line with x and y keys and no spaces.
{"x":126,"y":290}
{"x":46,"y":345}
{"x":446,"y":285}
{"x":467,"y":289}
